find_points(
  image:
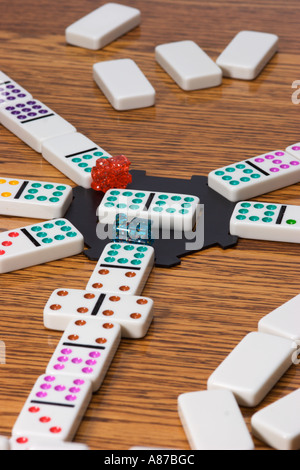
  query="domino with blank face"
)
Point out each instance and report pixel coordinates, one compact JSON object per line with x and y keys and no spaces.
{"x":253,"y":367}
{"x":33,"y":122}
{"x":102,"y":26}
{"x":74,"y":155}
{"x":134,"y":314}
{"x":247,"y":54}
{"x":212,"y":420}
{"x":39,"y":243}
{"x":36,"y":199}
{"x":122,"y":268}
{"x":255,"y":176}
{"x":86,"y":350}
{"x":124,"y":84}
{"x":283,"y":321}
{"x":54,"y":408}
{"x":167,"y":210}
{"x":278,"y":424}
{"x":266,"y":221}
{"x":189,"y":66}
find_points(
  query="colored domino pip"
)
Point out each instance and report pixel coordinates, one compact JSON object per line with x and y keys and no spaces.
{"x":167,"y":210}
{"x":134,"y":314}
{"x":122,"y":268}
{"x":39,"y":243}
{"x":74,"y":155}
{"x":266,"y":221}
{"x":33,"y":122}
{"x":86,"y":350}
{"x":255,"y":176}
{"x":10,"y":91}
{"x":36,"y":199}
{"x":54,"y":408}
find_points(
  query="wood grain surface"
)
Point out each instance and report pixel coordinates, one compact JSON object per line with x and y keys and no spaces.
{"x":205,"y":306}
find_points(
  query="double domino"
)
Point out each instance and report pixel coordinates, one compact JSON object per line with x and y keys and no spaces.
{"x":37,"y":199}
{"x":167,"y":210}
{"x":122,"y":268}
{"x":133,"y":313}
{"x":255,"y":176}
{"x":33,"y":122}
{"x":39,"y":243}
{"x":266,"y":221}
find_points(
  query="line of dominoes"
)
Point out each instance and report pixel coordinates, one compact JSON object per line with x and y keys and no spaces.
{"x":74,"y":155}
{"x":93,"y":322}
{"x":61,"y":396}
{"x":46,"y":132}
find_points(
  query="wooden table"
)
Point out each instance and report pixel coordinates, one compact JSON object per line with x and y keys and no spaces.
{"x":205,"y":306}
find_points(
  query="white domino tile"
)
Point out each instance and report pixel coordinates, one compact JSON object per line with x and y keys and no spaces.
{"x":54,"y":408}
{"x":102,"y":26}
{"x":39,"y":243}
{"x":253,"y":367}
{"x":255,"y":176}
{"x":266,"y":221}
{"x":134,"y":314}
{"x":36,"y":443}
{"x":124,"y":84}
{"x":278,"y":425}
{"x":247,"y":54}
{"x":294,"y":150}
{"x":189,"y":66}
{"x":167,"y":210}
{"x":36,"y":199}
{"x":283,"y":321}
{"x":11,"y":91}
{"x":141,"y":448}
{"x":4,"y":443}
{"x":212,"y":420}
{"x":74,"y":155}
{"x":33,"y":122}
{"x":122,"y":268}
{"x":86,"y":350}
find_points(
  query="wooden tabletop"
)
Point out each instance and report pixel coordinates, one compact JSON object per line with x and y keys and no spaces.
{"x":205,"y":306}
